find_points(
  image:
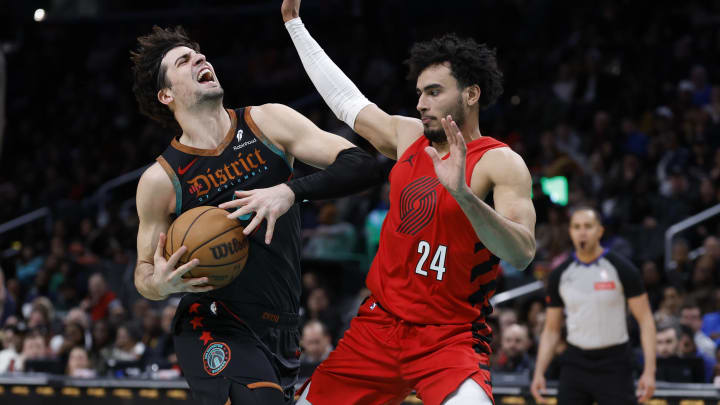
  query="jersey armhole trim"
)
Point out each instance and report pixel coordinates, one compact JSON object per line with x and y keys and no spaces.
{"x":259,"y":135}
{"x":176,"y":184}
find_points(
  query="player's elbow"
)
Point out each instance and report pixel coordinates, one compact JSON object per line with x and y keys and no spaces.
{"x":523,"y":259}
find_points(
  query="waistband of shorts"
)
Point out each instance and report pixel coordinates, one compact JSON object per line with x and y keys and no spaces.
{"x":257,"y":314}
{"x":242,"y":312}
{"x":605,"y":352}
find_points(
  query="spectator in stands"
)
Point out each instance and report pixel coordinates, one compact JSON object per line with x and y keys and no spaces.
{"x":127,"y":346}
{"x":103,"y":336}
{"x":691,"y":317}
{"x":163,"y":354}
{"x":653,"y":282}
{"x":331,"y":239}
{"x":41,"y":315}
{"x":669,"y":310}
{"x":711,"y":321}
{"x":7,"y":303}
{"x":513,"y":356}
{"x":28,"y":265}
{"x":151,"y":329}
{"x":670,"y":366}
{"x":315,"y":342}
{"x":12,"y":341}
{"x":688,"y":350}
{"x":80,"y":318}
{"x":318,"y":308}
{"x":73,"y":336}
{"x":78,"y":364}
{"x":34,"y":348}
{"x":100,"y":299}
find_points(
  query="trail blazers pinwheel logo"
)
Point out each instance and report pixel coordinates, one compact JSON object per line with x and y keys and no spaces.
{"x":418,"y":201}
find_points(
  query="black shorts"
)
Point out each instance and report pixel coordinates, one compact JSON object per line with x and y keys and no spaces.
{"x":603,"y":376}
{"x":218,"y":347}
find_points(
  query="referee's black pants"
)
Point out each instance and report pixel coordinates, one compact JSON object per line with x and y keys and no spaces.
{"x":604,"y":376}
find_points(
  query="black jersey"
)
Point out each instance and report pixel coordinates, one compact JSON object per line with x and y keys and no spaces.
{"x":245,"y":160}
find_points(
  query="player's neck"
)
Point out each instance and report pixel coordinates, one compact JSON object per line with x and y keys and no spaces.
{"x":589,"y":255}
{"x":470,"y":131}
{"x":204,"y":129}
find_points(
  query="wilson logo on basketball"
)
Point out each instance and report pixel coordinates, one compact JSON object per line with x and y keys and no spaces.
{"x":228,"y":248}
{"x":244,"y":167}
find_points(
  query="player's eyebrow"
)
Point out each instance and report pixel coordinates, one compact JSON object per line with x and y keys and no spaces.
{"x":186,"y":56}
{"x":429,"y":87}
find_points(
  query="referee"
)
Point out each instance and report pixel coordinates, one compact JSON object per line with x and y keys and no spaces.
{"x":593,"y":286}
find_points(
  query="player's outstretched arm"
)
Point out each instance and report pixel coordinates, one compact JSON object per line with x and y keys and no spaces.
{"x":385,"y":132}
{"x":347,"y":168}
{"x":155,"y":277}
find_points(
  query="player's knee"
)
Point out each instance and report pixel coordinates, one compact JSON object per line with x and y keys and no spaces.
{"x":266,"y":394}
{"x":303,"y":397}
{"x":468,"y":393}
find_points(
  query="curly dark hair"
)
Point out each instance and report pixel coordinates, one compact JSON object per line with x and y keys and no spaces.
{"x":149,"y":77}
{"x":470,"y":63}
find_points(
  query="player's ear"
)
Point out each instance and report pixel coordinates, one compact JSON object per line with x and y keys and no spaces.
{"x":165,"y":96}
{"x":472,"y":94}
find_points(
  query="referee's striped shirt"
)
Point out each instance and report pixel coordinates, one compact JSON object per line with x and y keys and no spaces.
{"x":594,"y":296}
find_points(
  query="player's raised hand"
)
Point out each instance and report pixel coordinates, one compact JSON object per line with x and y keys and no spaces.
{"x":167,"y":279}
{"x":451,"y":171}
{"x":290,"y":9}
{"x":267,"y":203}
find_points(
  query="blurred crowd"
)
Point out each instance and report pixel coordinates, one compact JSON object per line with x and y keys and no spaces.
{"x":619,"y":98}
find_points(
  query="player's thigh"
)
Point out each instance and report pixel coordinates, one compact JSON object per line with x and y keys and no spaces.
{"x":210,"y":366}
{"x":468,"y":393}
{"x":363,"y":369}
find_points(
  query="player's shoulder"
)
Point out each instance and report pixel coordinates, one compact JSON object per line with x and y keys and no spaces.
{"x":155,"y":180}
{"x":503,"y":165}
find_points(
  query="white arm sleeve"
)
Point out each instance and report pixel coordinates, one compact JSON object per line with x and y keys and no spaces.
{"x":338,"y":91}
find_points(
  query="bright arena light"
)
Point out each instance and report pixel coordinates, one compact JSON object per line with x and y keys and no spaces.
{"x":39,"y":14}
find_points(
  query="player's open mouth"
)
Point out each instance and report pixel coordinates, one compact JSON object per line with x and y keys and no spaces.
{"x":205,"y":76}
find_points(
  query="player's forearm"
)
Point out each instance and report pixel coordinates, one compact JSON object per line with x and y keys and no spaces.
{"x":548,"y":341}
{"x":338,"y":91}
{"x":647,"y":340}
{"x":143,"y":275}
{"x":506,"y":239}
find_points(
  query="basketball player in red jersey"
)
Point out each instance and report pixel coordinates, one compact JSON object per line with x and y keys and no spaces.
{"x":237,"y":344}
{"x":423,"y":327}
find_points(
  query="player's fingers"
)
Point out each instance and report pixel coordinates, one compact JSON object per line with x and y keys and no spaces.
{"x":238,"y":202}
{"x":457,"y":135}
{"x":432,"y":152}
{"x":180,"y":271}
{"x":257,"y":219}
{"x":160,"y":248}
{"x":270,"y":228}
{"x":244,"y":193}
{"x":195,"y":282}
{"x":175,"y":257}
{"x":244,"y":210}
{"x":200,"y":289}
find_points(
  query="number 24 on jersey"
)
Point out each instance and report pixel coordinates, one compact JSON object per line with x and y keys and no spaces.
{"x":438,"y":262}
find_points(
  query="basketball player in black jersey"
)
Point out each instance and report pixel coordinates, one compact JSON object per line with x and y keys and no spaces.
{"x":239,"y":343}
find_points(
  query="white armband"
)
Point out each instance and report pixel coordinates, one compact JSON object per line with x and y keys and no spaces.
{"x":338,"y":91}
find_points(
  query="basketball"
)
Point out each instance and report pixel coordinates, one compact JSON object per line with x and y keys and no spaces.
{"x":215,"y":240}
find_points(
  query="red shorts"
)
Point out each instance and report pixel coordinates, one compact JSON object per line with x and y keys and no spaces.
{"x":382,"y":358}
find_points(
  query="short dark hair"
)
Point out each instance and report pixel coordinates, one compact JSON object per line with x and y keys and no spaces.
{"x":149,"y":76}
{"x":590,"y":208}
{"x":470,"y":63}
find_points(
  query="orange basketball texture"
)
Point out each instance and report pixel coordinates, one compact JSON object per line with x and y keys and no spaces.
{"x":216,"y":241}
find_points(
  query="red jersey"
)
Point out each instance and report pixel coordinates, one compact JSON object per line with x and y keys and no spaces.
{"x":430,"y":267}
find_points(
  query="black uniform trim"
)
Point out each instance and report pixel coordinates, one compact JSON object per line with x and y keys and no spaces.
{"x":629,"y":275}
{"x":552,"y":296}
